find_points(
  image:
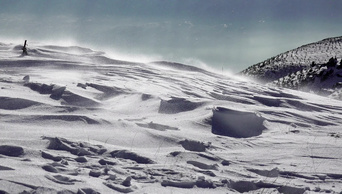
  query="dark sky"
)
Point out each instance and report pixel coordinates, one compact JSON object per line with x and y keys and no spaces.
{"x":232,"y":34}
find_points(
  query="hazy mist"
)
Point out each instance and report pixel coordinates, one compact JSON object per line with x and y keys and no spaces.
{"x":227,"y":34}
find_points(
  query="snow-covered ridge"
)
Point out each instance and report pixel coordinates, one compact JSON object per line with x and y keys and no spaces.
{"x":295,"y":60}
{"x":324,"y":79}
{"x":75,"y":121}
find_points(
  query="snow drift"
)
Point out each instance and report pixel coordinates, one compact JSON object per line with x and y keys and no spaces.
{"x":235,"y":123}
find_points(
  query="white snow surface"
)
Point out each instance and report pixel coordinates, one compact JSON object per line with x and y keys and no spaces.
{"x":88,"y":123}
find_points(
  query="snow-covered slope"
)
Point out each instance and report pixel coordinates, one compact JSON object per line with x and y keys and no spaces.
{"x":73,"y":120}
{"x":324,"y":79}
{"x":295,"y":60}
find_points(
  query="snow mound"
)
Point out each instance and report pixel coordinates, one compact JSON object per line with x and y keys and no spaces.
{"x":71,"y":98}
{"x":236,"y":124}
{"x":16,"y":103}
{"x":10,"y":150}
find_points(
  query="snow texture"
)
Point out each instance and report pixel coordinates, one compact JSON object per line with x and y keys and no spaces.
{"x":75,"y":121}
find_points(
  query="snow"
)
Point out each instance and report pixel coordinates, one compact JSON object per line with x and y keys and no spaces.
{"x":160,"y":127}
{"x":295,"y":60}
{"x":323,"y":79}
{"x":236,"y":124}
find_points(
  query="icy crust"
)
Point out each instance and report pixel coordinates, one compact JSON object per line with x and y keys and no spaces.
{"x":295,"y":60}
{"x":71,"y":123}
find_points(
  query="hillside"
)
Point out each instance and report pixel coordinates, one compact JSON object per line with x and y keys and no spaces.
{"x":324,"y":79}
{"x":75,"y":121}
{"x":295,"y":60}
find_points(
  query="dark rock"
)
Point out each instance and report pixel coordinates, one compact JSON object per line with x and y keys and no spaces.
{"x":127,"y":182}
{"x":38,"y":87}
{"x":57,"y":92}
{"x":45,"y":89}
